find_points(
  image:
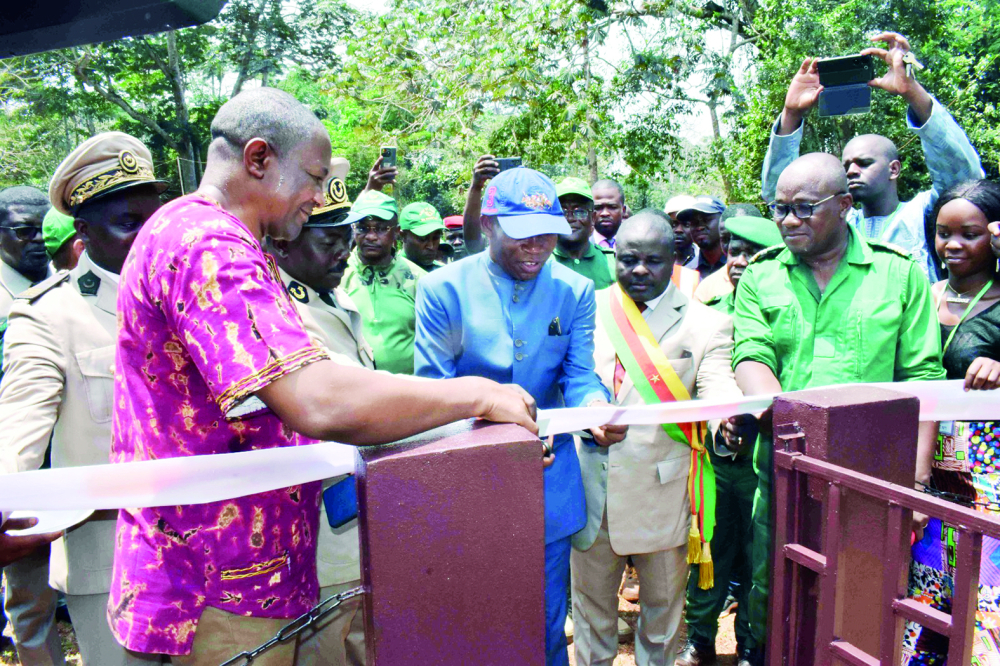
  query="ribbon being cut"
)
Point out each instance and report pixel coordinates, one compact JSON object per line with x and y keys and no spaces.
{"x":201,"y":479}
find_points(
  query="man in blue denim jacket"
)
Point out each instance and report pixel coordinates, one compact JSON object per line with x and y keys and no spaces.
{"x":872,"y":161}
{"x":511,"y":315}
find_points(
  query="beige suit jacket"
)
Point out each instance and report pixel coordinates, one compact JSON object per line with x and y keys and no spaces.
{"x":59,"y":354}
{"x":642,"y":481}
{"x":335,"y":324}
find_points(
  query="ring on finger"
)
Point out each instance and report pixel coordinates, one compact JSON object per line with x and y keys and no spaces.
{"x":547,"y":448}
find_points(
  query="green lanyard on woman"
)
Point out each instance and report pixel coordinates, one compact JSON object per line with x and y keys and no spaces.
{"x":965,"y":314}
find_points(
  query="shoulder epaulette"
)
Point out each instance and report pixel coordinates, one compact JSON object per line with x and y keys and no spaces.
{"x":33,"y":293}
{"x":767,"y":253}
{"x":889,"y":247}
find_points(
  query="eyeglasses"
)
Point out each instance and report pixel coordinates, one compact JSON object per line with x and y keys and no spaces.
{"x":24,"y":232}
{"x":802,"y":210}
{"x":576,"y":213}
{"x":362,"y":229}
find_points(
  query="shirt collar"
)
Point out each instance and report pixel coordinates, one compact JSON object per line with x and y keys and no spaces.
{"x":600,"y":239}
{"x":590,"y":254}
{"x":858,"y":250}
{"x":12,"y":279}
{"x":98,"y":271}
{"x":652,"y":303}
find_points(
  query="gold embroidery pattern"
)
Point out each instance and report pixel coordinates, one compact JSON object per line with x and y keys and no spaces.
{"x":258,"y":569}
{"x":128,"y":170}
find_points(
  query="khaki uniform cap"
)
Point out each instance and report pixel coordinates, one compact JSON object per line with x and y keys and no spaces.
{"x":105,"y":163}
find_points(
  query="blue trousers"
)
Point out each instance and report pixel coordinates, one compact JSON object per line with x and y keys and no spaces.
{"x":556,"y":593}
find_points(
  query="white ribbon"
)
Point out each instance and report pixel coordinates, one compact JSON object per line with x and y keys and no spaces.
{"x":201,"y":479}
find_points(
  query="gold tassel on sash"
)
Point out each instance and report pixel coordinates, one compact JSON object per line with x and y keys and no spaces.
{"x":706,"y":571}
{"x":694,"y":544}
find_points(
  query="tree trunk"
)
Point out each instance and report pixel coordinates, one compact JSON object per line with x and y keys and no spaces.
{"x":591,"y":149}
{"x":251,"y":41}
{"x":189,"y":157}
{"x":717,"y":155}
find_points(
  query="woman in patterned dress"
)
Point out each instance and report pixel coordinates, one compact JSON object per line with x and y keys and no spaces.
{"x":966,"y":463}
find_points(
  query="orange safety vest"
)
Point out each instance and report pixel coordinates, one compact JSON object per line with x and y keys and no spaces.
{"x":685,"y":279}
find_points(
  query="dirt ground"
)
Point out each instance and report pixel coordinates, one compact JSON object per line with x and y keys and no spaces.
{"x":725,"y":645}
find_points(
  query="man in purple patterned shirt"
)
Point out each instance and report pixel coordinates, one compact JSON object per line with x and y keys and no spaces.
{"x":212,"y":358}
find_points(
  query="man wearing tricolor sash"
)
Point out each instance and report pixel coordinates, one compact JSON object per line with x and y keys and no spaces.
{"x":650,"y":496}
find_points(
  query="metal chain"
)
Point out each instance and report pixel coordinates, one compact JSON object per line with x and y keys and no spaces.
{"x":959,"y":499}
{"x":296,"y":626}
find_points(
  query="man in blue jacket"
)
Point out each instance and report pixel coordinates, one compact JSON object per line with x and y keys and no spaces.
{"x":511,"y":315}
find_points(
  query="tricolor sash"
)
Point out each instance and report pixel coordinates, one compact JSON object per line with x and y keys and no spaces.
{"x":657,"y":381}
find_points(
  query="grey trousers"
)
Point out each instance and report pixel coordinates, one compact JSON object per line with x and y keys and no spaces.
{"x":30,"y":605}
{"x":340,"y":639}
{"x":597,"y":573}
{"x":98,"y":646}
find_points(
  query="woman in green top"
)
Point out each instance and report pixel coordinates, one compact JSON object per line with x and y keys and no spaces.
{"x":966,"y":463}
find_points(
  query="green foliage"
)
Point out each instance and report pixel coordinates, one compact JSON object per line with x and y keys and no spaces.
{"x":577,"y":87}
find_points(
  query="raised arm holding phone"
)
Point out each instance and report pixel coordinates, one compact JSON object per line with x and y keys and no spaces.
{"x":872,"y":161}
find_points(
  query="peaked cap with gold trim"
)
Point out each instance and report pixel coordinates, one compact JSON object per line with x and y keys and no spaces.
{"x":104,"y":163}
{"x":335,"y":208}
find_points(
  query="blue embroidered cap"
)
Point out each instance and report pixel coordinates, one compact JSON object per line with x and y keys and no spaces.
{"x":525,"y":203}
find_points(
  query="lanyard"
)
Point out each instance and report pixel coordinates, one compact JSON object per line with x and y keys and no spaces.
{"x":965,"y":314}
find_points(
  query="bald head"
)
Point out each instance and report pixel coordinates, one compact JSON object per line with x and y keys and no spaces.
{"x":647,"y":224}
{"x":816,"y":174}
{"x":874,"y":144}
{"x":265,"y":113}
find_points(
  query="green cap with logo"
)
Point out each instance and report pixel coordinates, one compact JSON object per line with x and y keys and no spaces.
{"x":372,"y":203}
{"x":757,"y":230}
{"x":420,"y":218}
{"x":56,"y":230}
{"x":571,"y":185}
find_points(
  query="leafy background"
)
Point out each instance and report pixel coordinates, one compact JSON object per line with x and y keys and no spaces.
{"x":667,"y":96}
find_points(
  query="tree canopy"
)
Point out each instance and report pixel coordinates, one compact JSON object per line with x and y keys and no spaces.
{"x":665,"y":95}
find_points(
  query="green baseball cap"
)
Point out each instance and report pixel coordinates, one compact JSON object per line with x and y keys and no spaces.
{"x":420,"y":218}
{"x":56,"y":230}
{"x":757,"y":230}
{"x":571,"y":185}
{"x":374,"y":204}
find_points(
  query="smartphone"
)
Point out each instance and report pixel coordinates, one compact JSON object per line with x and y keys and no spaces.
{"x":341,"y":501}
{"x":845,"y":85}
{"x":388,"y":157}
{"x":508,"y":162}
{"x":846,"y":70}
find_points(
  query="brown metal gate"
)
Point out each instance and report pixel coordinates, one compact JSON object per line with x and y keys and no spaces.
{"x":844,"y":465}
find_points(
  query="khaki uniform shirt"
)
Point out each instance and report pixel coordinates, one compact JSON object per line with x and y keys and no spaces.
{"x":12,"y":283}
{"x":58,"y":381}
{"x":332,"y":321}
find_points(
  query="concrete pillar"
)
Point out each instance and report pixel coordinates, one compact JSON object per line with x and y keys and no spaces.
{"x":453,"y":548}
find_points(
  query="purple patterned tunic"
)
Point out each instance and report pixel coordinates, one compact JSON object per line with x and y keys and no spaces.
{"x":204,"y":323}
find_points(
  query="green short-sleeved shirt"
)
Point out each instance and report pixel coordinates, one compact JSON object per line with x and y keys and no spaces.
{"x":597,"y":264}
{"x":725,"y":303}
{"x":874,"y":323}
{"x":386,"y":297}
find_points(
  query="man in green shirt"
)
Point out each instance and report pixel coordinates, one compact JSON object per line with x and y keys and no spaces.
{"x":577,"y":251}
{"x":735,"y":482}
{"x":382,"y":283}
{"x":828,"y":308}
{"x":421,"y":227}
